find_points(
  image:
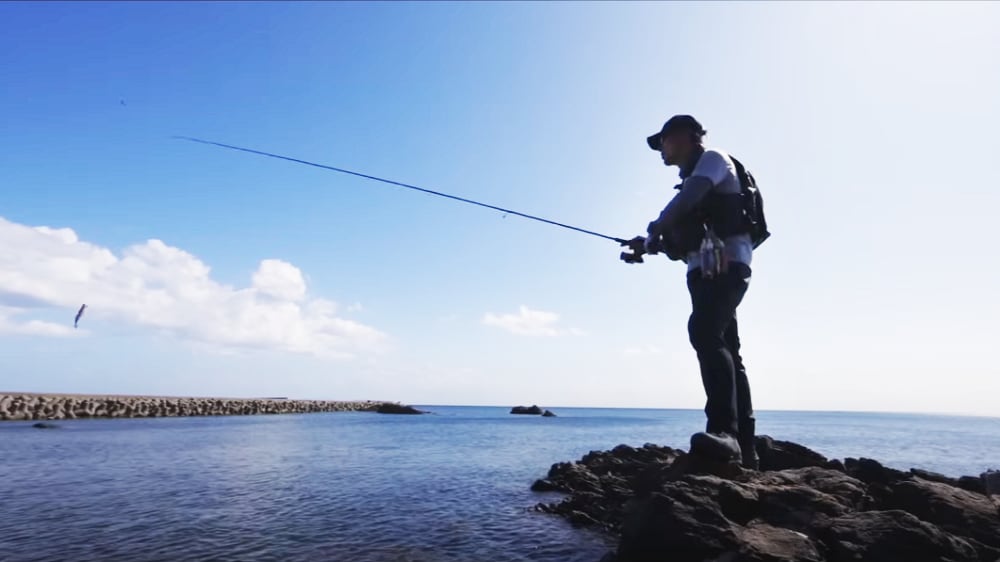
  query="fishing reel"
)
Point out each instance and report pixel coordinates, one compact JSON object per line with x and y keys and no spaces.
{"x":637,"y":247}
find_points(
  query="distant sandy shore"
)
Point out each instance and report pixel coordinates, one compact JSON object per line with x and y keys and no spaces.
{"x":26,"y":406}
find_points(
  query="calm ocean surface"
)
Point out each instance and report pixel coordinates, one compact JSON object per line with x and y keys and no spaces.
{"x":366,"y":487}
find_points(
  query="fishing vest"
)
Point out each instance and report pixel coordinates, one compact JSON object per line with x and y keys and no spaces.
{"x":726,"y":214}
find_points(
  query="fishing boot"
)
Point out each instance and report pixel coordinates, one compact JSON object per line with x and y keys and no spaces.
{"x":721,"y":447}
{"x":748,"y":448}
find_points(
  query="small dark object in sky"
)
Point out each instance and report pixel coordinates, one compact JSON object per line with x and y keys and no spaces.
{"x":79,"y":314}
{"x":122,"y":102}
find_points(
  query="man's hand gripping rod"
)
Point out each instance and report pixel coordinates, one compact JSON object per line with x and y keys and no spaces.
{"x":637,"y":246}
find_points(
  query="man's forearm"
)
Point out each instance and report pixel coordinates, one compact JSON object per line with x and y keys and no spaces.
{"x":695,"y":189}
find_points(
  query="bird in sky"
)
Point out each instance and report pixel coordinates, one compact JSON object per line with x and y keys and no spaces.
{"x":79,"y":314}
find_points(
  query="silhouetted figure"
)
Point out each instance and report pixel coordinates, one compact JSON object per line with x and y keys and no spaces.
{"x":705,"y":226}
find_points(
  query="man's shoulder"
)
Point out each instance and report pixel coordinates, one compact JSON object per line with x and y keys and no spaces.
{"x":716,"y":165}
{"x":717,"y":155}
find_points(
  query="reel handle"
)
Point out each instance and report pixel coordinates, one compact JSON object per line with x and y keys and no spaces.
{"x":636,"y":247}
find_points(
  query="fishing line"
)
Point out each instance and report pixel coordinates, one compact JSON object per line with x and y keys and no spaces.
{"x":405,"y":185}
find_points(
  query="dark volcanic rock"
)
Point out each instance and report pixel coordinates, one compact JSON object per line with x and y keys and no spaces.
{"x":548,"y":414}
{"x":949,"y":507}
{"x":391,"y":408}
{"x":879,"y":536}
{"x":779,"y":455}
{"x":991,"y":482}
{"x":545,"y":485}
{"x":666,"y":505}
{"x":970,"y":483}
{"x":872,"y":471}
{"x":760,"y":542}
{"x":664,"y":528}
{"x":527,"y":410}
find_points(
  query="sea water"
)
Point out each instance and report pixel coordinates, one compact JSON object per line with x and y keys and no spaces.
{"x":450,"y":487}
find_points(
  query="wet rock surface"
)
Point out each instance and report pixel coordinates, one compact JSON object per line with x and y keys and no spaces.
{"x":668,"y":506}
{"x":43,"y":407}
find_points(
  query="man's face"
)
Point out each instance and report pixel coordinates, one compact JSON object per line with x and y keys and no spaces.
{"x":675,"y":147}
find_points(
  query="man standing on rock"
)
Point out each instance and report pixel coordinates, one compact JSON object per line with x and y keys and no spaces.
{"x":704,"y":226}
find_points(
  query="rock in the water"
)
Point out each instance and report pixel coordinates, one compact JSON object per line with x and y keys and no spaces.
{"x":548,"y":414}
{"x":665,"y":504}
{"x":43,"y":425}
{"x":392,"y":408}
{"x":526,"y":410}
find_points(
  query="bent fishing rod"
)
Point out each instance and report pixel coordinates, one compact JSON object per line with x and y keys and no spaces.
{"x":634,"y":245}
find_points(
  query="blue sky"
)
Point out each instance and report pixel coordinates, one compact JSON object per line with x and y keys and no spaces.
{"x":209,"y":272}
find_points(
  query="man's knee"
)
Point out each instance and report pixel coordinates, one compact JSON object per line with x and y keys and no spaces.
{"x":704,"y":335}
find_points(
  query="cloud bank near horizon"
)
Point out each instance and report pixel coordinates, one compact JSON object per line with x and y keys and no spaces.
{"x":163,"y":288}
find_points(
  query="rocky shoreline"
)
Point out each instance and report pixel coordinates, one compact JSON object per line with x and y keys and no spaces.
{"x":44,"y":407}
{"x":665,"y":505}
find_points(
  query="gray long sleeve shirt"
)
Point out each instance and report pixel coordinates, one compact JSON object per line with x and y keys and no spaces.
{"x":713,"y":171}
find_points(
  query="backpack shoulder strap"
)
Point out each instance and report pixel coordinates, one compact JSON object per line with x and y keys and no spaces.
{"x":746,"y":179}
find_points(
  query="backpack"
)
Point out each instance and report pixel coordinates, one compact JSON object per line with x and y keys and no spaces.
{"x":753,"y":205}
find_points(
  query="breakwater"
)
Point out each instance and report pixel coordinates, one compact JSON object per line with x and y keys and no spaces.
{"x":27,"y":407}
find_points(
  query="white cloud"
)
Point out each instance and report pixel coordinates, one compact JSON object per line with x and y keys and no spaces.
{"x":167,"y":289}
{"x":528,"y":322}
{"x":10,"y":324}
{"x":280,"y":280}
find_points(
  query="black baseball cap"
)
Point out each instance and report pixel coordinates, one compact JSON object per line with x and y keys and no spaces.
{"x":674,"y":124}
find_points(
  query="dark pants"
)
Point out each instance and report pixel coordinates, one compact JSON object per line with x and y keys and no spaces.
{"x":715,"y":337}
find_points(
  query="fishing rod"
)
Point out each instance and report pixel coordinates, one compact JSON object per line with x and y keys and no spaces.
{"x":634,"y":257}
